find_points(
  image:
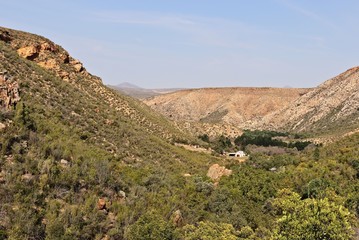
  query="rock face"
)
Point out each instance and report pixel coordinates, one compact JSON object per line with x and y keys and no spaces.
{"x":59,"y":64}
{"x":331,"y":105}
{"x":215,"y":172}
{"x":46,"y":54}
{"x":30,"y":52}
{"x":49,"y":64}
{"x":223,"y":107}
{"x":9,"y":91}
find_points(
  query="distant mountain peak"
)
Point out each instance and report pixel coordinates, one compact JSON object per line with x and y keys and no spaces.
{"x":127,"y":85}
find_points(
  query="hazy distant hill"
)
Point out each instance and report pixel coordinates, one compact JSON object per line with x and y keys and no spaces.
{"x":141,"y":93}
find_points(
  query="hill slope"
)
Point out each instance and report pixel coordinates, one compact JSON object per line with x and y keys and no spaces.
{"x":239,"y":107}
{"x":68,"y":144}
{"x":332,"y":106}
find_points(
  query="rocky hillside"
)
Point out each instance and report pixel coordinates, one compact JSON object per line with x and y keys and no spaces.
{"x":53,"y":59}
{"x":239,"y":107}
{"x":75,"y":156}
{"x":331,"y":107}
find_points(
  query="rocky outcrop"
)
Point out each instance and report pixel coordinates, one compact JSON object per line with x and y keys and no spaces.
{"x":37,"y":50}
{"x":215,"y":172}
{"x":56,"y":61}
{"x":49,"y":64}
{"x":101,"y":204}
{"x":30,"y":52}
{"x":46,"y":54}
{"x":9,"y":91}
{"x":77,"y":65}
{"x":64,"y":163}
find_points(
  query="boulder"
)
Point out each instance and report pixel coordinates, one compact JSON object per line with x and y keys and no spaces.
{"x":101,"y":204}
{"x":64,"y":162}
{"x":177,"y":218}
{"x":215,"y":172}
{"x":27,"y":177}
{"x":122,"y":194}
{"x":78,"y":67}
{"x":64,"y":75}
{"x":65,"y":58}
{"x":30,"y":52}
{"x":121,"y":197}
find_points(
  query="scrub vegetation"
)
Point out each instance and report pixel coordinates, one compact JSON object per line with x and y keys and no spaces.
{"x":72,"y":166}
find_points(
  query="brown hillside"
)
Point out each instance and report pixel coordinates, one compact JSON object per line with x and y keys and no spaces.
{"x":333,"y":105}
{"x":234,"y":106}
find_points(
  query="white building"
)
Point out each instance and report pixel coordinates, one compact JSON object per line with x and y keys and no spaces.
{"x":237,"y":154}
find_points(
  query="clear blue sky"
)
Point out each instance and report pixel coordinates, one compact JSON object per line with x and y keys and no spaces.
{"x":199,"y":43}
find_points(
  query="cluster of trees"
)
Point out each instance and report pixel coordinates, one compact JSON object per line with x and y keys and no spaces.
{"x":263,"y":138}
{"x":268,"y":138}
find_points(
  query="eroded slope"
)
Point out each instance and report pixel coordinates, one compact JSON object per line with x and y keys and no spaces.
{"x":332,"y":106}
{"x":240,"y":107}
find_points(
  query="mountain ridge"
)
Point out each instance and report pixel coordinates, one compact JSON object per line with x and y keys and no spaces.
{"x":236,"y":106}
{"x":127,"y":85}
{"x":332,"y":105}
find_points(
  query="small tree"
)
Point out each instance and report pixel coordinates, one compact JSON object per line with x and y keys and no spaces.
{"x":208,"y":231}
{"x":310,"y":219}
{"x":150,"y":226}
